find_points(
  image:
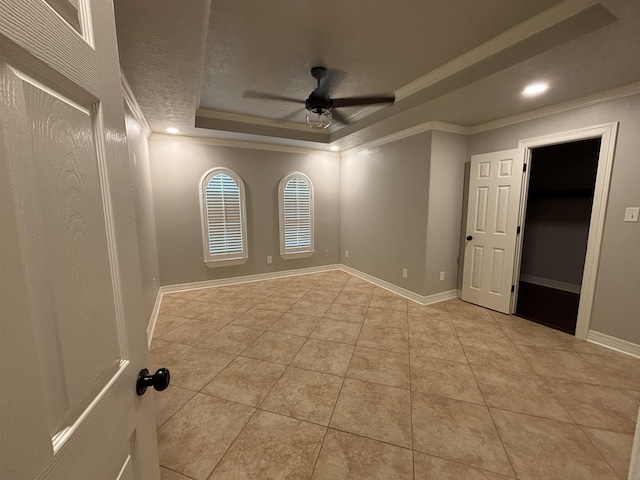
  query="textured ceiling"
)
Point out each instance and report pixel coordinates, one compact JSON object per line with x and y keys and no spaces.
{"x":190,"y":63}
{"x":377,"y":45}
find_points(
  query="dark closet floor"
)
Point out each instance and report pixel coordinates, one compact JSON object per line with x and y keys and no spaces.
{"x":554,"y":308}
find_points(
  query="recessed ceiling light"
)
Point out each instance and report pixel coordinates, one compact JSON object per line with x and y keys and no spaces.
{"x":535,"y":89}
{"x":333,"y":148}
{"x":173,"y":130}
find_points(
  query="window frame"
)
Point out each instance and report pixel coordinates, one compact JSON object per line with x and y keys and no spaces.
{"x":225,"y":259}
{"x":296,"y":252}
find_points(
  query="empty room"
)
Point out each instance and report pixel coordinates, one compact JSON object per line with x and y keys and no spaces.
{"x":320,"y":240}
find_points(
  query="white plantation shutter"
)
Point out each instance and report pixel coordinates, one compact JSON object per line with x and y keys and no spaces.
{"x":224,"y":224}
{"x":296,"y":214}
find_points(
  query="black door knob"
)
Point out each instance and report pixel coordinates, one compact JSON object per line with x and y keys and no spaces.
{"x":469,"y":237}
{"x":159,"y":380}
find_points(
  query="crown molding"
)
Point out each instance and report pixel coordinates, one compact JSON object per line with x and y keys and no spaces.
{"x":408,"y":132}
{"x":533,"y":26}
{"x":131,"y":101}
{"x":596,"y":98}
{"x":242,"y":118}
{"x":601,"y":97}
{"x":219,"y":142}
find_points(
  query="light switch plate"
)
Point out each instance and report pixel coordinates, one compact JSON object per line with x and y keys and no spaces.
{"x":631,"y":214}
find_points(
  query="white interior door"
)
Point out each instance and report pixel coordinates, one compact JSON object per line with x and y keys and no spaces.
{"x":495,"y":185}
{"x":72,"y":326}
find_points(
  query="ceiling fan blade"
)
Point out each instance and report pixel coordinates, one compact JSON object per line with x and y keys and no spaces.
{"x":340,"y":117}
{"x":356,"y":101}
{"x":269,"y":96}
{"x":289,"y":116}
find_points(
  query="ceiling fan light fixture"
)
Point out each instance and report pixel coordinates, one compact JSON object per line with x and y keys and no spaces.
{"x":319,"y":117}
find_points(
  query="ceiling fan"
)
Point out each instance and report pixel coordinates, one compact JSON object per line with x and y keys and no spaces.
{"x":321,"y":108}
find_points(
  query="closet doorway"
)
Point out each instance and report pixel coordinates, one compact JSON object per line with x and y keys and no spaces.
{"x":559,"y":202}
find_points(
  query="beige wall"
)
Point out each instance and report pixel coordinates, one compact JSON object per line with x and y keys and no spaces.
{"x":384,"y":196}
{"x":177,"y":168}
{"x":145,"y":216}
{"x":392,"y":207}
{"x":555,"y":239}
{"x":448,"y":156}
{"x":616,"y":303}
{"x":401,"y":205}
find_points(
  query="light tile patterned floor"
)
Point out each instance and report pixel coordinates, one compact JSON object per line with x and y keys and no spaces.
{"x":326,"y":376}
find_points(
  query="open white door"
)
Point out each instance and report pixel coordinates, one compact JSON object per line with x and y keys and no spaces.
{"x":72,"y":326}
{"x":492,"y":218}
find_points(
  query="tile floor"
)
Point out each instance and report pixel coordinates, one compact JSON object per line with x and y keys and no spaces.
{"x":326,"y":376}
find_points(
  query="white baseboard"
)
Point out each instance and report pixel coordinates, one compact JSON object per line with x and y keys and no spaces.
{"x":439,"y":297}
{"x":614,"y":343}
{"x":634,"y":466}
{"x":183,"y":287}
{"x":154,"y":317}
{"x":547,"y":282}
{"x":421,"y":299}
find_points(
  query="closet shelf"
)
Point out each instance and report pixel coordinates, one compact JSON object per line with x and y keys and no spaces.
{"x":561,"y":193}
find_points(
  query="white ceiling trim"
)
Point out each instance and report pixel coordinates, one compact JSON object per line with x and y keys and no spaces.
{"x":543,"y":21}
{"x":219,"y":142}
{"x":600,"y":97}
{"x":130,"y":98}
{"x":242,"y":118}
{"x":408,"y":132}
{"x":205,"y":31}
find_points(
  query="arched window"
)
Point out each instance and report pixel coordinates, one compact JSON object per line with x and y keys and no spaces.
{"x":224,"y":224}
{"x":295,"y":194}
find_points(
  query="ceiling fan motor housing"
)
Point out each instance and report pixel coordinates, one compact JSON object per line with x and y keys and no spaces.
{"x":317,"y":104}
{"x":318,"y":73}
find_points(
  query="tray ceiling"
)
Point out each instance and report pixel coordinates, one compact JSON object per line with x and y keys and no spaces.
{"x":190,"y":63}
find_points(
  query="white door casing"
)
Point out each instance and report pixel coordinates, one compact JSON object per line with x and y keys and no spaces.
{"x":72,"y":329}
{"x":607,"y":133}
{"x":494,"y":198}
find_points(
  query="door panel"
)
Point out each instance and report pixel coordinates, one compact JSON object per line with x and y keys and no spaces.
{"x":477,"y":263}
{"x":497,"y":270}
{"x":502,"y":210}
{"x":68,"y":9}
{"x":68,"y":213}
{"x":481,"y":209}
{"x":494,"y":196}
{"x":72,"y":336}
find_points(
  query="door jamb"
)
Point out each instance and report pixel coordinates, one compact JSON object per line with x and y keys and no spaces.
{"x":607,"y":133}
{"x":524,"y":196}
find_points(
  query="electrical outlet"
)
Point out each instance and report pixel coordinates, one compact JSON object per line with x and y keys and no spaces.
{"x":441,"y":276}
{"x":269,"y":260}
{"x":631,"y":214}
{"x":154,"y":283}
{"x":326,"y":254}
{"x":404,"y":273}
{"x":346,"y":254}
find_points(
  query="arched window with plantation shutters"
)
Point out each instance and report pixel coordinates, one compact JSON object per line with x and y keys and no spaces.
{"x":295,"y":194}
{"x":224,"y":225}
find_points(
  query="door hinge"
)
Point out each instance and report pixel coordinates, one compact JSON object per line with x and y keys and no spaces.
{"x":513,"y":288}
{"x":524,"y":167}
{"x":518,"y":230}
